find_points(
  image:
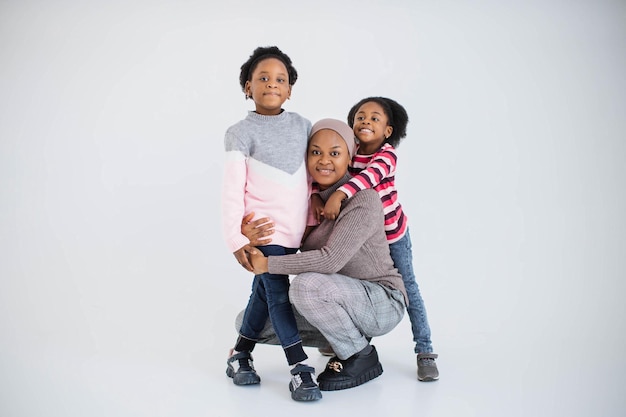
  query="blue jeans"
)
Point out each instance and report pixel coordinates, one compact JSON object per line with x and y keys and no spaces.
{"x":402,"y":256}
{"x":270,"y":298}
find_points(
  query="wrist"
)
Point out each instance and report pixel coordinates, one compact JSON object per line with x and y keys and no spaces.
{"x":340,"y":194}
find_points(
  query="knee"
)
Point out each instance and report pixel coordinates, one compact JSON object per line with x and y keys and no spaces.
{"x":280,"y":297}
{"x":306,"y":288}
{"x":276,"y":289}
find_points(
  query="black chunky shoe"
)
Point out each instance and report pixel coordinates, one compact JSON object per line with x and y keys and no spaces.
{"x":302,"y":386}
{"x":356,"y":370}
{"x":245,"y":374}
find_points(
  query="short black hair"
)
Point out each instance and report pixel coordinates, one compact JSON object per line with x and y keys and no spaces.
{"x":396,"y":114}
{"x":261,"y":53}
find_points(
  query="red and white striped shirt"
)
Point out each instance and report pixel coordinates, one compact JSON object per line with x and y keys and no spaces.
{"x":378,"y":171}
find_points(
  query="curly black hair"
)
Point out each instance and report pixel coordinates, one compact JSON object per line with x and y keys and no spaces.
{"x":261,"y":53}
{"x":396,"y":114}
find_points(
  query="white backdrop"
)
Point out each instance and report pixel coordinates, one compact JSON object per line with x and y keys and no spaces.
{"x":112,"y":116}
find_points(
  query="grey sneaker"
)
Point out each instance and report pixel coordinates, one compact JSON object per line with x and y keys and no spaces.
{"x":302,"y":386}
{"x":426,"y":367}
{"x":245,"y":374}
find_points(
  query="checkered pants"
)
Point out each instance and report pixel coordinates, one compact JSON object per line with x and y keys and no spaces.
{"x":338,"y":310}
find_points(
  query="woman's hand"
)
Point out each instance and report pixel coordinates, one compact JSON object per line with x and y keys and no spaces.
{"x":242,"y":255}
{"x":256,"y":231}
{"x":259,"y":262}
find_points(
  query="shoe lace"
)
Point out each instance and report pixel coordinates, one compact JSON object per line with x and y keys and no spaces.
{"x":302,"y":375}
{"x":305,"y":377}
{"x":244,"y":359}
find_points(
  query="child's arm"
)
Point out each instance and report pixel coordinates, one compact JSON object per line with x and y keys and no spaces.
{"x":381,"y":166}
{"x":333,"y":204}
{"x":232,"y":202}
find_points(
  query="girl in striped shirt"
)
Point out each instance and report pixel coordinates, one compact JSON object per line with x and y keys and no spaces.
{"x":379,"y":124}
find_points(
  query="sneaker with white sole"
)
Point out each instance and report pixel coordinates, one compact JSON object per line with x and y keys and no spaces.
{"x":245,"y":374}
{"x":427,"y":367}
{"x":302,"y":386}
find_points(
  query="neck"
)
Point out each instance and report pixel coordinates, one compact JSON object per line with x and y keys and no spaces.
{"x":325,"y":193}
{"x":269,"y":113}
{"x":369,"y":148}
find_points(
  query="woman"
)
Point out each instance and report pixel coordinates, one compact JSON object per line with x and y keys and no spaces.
{"x":346,"y":288}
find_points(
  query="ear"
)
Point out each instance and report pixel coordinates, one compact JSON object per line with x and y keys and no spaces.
{"x":388,"y":131}
{"x":246,"y":90}
{"x":289,"y":93}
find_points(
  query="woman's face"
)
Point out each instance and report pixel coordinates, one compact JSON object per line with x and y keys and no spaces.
{"x":327,"y":158}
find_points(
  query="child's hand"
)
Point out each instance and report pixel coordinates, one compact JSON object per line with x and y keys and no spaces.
{"x":317,"y":205}
{"x":256,"y":230}
{"x":333,"y":205}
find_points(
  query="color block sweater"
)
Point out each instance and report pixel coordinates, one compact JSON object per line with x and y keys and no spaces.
{"x":265,"y":172}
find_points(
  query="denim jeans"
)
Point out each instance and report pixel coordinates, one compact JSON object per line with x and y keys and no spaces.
{"x":402,"y":256}
{"x":270,"y":298}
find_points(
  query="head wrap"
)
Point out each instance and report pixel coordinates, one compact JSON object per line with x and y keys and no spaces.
{"x":341,"y":128}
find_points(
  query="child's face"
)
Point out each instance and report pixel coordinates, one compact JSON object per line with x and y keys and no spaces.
{"x":371,"y":127}
{"x":269,"y":86}
{"x":327,"y":158}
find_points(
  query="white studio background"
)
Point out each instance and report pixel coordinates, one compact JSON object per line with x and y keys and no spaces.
{"x":117,"y":294}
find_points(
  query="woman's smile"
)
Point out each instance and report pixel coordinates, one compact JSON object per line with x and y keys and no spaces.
{"x":325,"y":170}
{"x":327,"y":157}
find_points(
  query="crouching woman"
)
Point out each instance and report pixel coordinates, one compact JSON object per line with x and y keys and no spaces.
{"x":346,"y":289}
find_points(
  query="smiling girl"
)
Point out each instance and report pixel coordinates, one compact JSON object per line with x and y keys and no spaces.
{"x":379,"y":124}
{"x":265,"y":173}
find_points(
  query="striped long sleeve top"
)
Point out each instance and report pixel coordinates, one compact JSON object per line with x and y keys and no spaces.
{"x":378,"y":171}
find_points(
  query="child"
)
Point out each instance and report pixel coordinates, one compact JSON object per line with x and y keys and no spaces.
{"x":379,"y":124}
{"x":265,"y":173}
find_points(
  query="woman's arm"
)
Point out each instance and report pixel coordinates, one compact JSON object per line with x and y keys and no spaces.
{"x":360,"y":218}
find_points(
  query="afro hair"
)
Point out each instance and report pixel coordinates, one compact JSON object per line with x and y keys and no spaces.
{"x":261,"y":53}
{"x":396,"y":114}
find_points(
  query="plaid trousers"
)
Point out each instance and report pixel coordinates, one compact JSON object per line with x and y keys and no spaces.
{"x":340,"y":311}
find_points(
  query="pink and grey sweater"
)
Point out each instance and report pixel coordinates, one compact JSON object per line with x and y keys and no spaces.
{"x":265,"y":172}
